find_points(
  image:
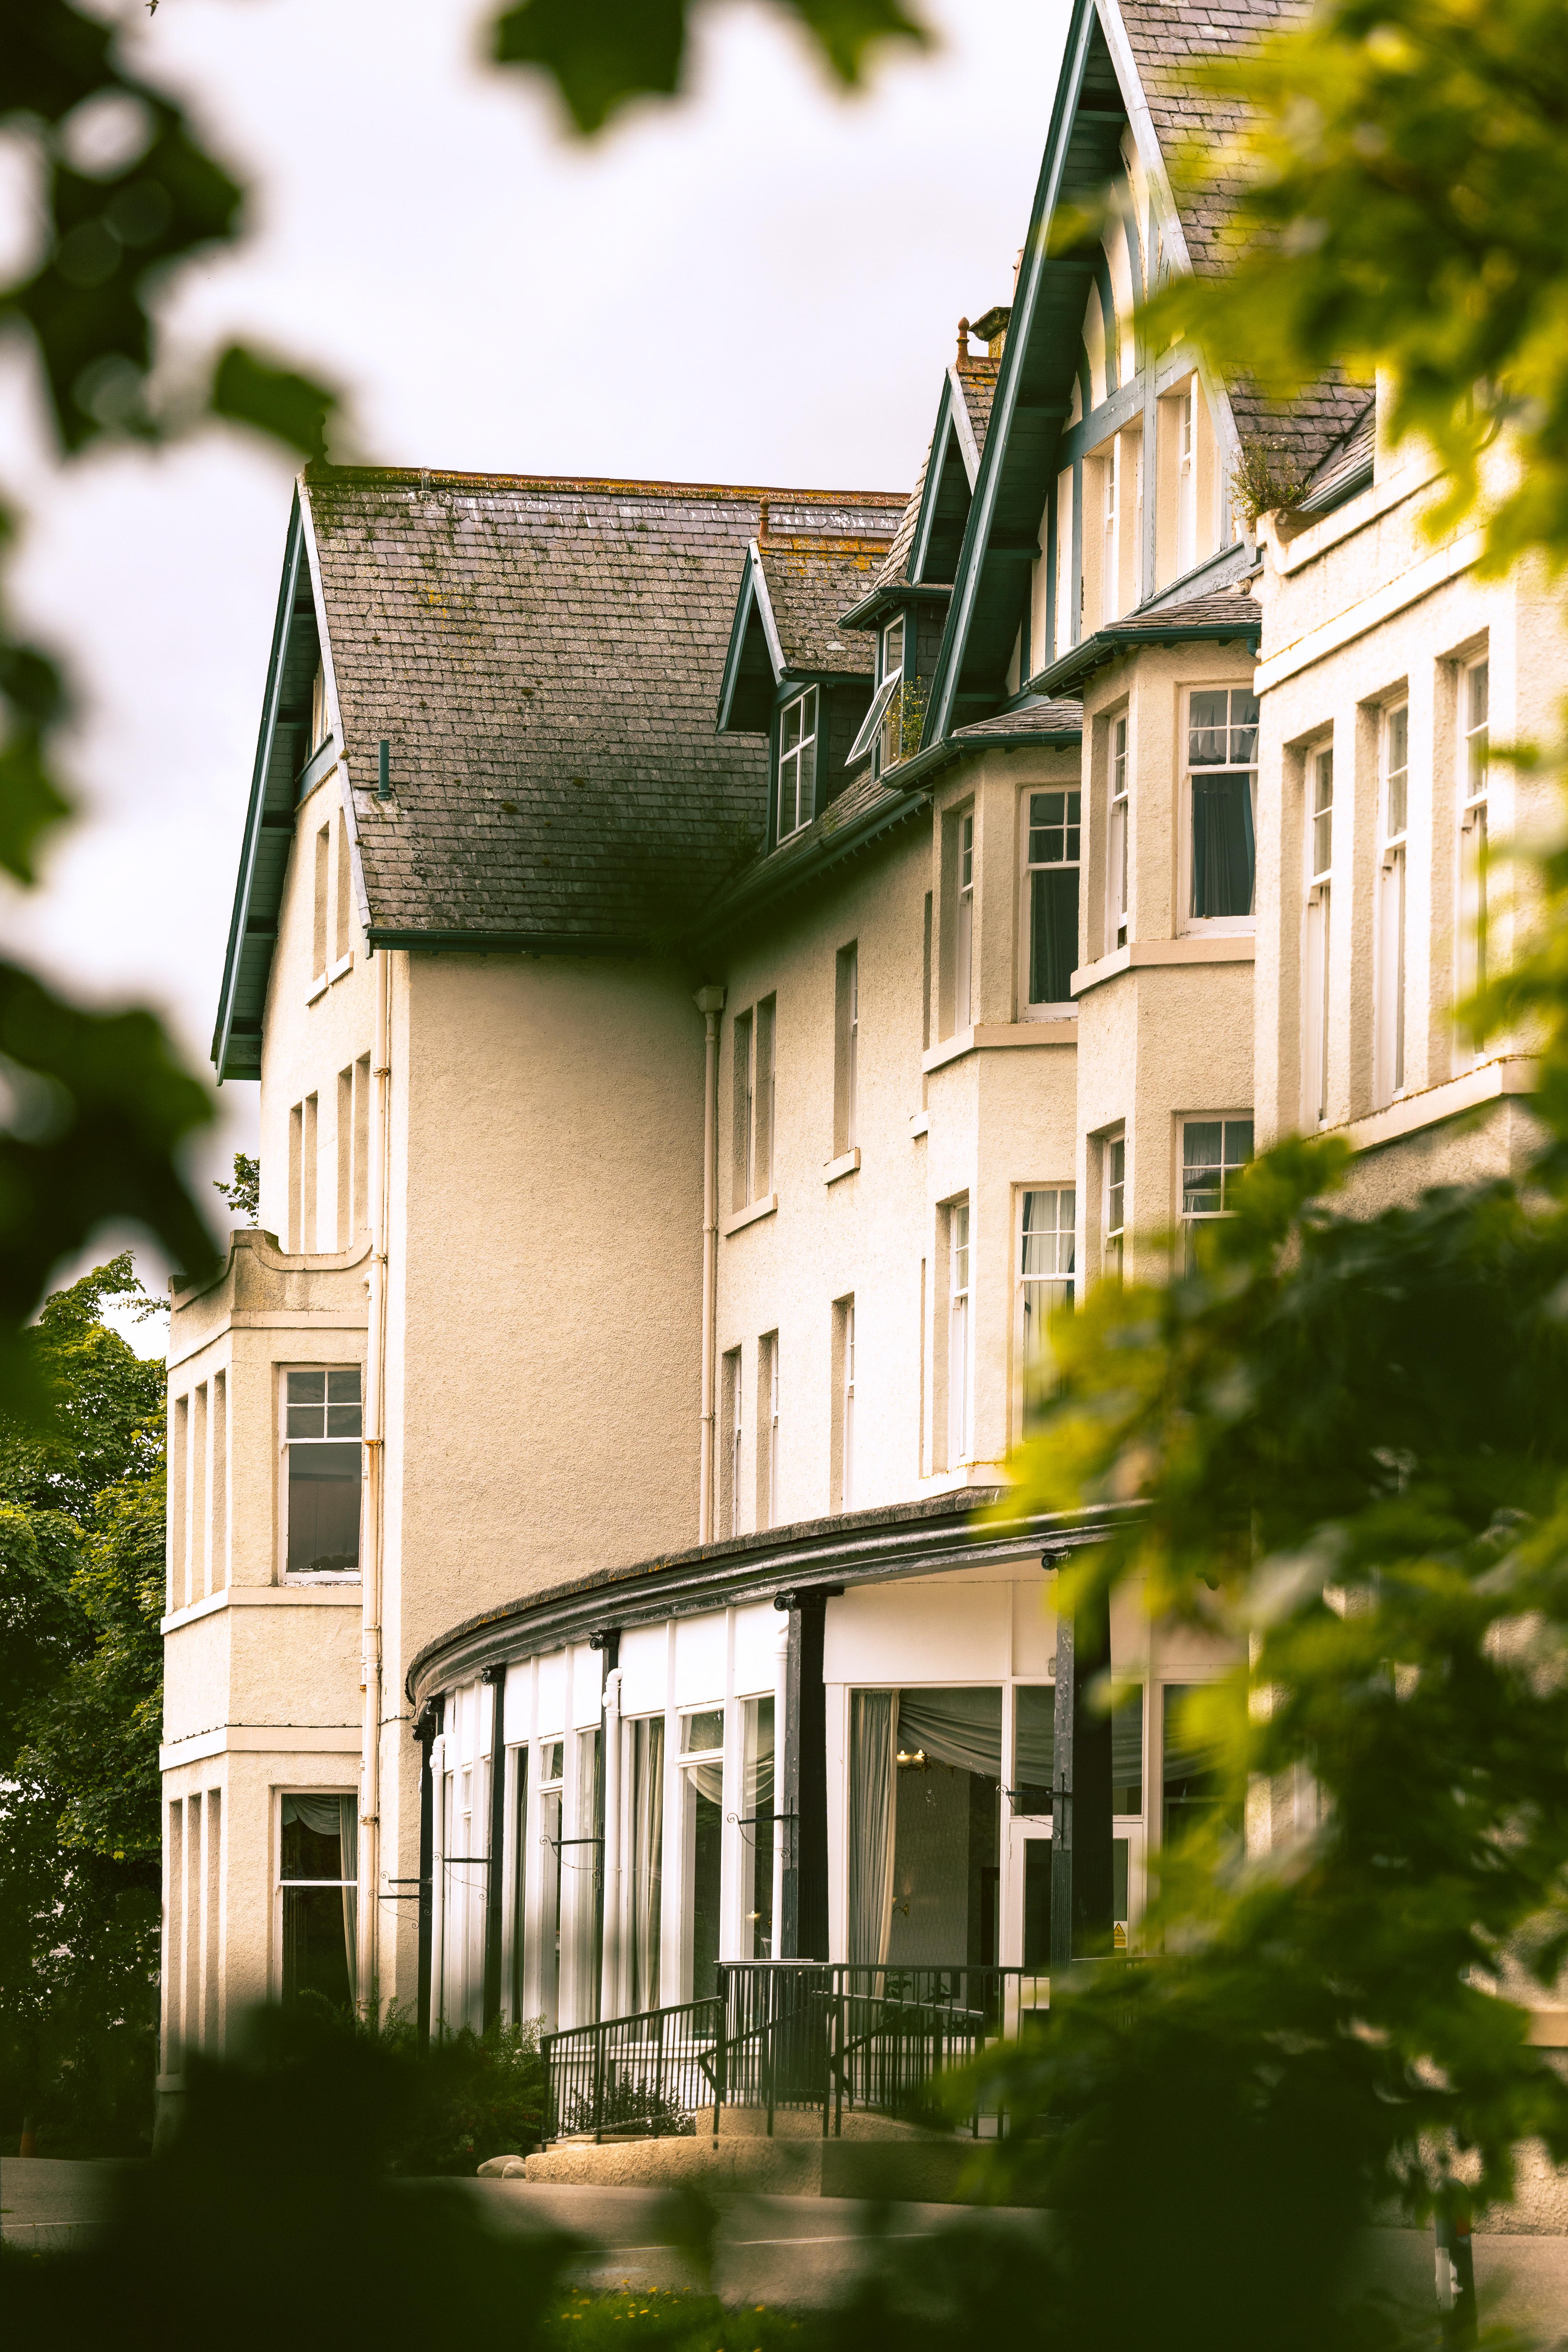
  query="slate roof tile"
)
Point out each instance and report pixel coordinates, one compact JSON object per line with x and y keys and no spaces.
{"x":543,"y":656}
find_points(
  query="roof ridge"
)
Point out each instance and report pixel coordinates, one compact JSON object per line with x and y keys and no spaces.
{"x":630,"y":486}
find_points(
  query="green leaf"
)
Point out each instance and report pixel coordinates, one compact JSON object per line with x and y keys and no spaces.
{"x":602,"y":54}
{"x":292,"y":408}
{"x":103,"y":1107}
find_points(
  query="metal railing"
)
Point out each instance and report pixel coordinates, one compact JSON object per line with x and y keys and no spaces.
{"x":645,"y":2075}
{"x":831,"y":2036}
{"x":808,"y":2036}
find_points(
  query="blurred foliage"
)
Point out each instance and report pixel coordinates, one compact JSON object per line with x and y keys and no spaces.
{"x":602,"y":54}
{"x":469,"y":2096}
{"x":244,"y":1194}
{"x":1342,"y":1445}
{"x":1398,"y":202}
{"x":271,"y":2214}
{"x":81,"y":1593}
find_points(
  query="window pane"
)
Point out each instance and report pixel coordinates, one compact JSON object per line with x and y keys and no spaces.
{"x":323,"y":1508}
{"x":1208,"y":734}
{"x":759,"y":1807}
{"x":892,"y":647}
{"x":1194,"y":1789}
{"x":1054,"y":828}
{"x":791,"y":736}
{"x":342,"y":1420}
{"x":315,"y":1944}
{"x":703,"y":1730}
{"x":1053,"y":934}
{"x":1237,"y":1142}
{"x":1202,"y":1158}
{"x":1223,"y":846}
{"x":1034,"y":1746}
{"x":1244,"y":725}
{"x":342,"y":1386}
{"x":306,"y":1420}
{"x":310,"y":1850}
{"x":307,"y":1387}
{"x":553,"y":1760}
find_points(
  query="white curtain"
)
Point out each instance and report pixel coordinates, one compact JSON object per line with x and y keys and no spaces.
{"x":707,"y":1780}
{"x":336,"y":1817}
{"x":873,"y":1735}
{"x":961,"y":1728}
{"x":647,"y":1858}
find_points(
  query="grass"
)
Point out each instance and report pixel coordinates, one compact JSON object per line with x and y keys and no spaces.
{"x":669,"y":2321}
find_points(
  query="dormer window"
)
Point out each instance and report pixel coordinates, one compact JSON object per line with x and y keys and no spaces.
{"x":881,"y":729}
{"x":798,"y":763}
{"x":321,"y":725}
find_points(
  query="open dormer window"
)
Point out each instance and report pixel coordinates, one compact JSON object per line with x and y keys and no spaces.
{"x":798,"y":763}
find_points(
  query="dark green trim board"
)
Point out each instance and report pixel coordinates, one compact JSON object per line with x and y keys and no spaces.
{"x":270,"y":819}
{"x":948,"y":484}
{"x":754,"y":664}
{"x":1034,"y":386}
{"x":1067,"y":675}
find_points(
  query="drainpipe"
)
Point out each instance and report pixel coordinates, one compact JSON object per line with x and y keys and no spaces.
{"x":368,"y":1988}
{"x":710,"y":1003}
{"x":610,"y":1995}
{"x":426,"y":1725}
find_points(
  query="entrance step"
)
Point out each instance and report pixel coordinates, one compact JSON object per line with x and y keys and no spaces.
{"x":897,"y":2163}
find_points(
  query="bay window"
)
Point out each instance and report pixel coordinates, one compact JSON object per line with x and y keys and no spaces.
{"x":798,"y":763}
{"x":323,"y":1427}
{"x":1051,"y":899}
{"x":1221,"y":797}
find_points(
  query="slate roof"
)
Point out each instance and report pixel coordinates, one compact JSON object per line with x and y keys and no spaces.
{"x":1220,"y":613}
{"x":808,"y":587}
{"x":1040,"y":716}
{"x":1346,"y":469}
{"x":978,"y":377}
{"x":543,"y":656}
{"x":1171,"y":40}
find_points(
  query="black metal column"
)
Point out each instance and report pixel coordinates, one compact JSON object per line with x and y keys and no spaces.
{"x":427,"y":1724}
{"x":1082,"y":1877}
{"x":494,"y":1888}
{"x":801,"y":1744}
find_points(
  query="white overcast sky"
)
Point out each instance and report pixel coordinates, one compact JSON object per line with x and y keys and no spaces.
{"x":758,"y":283}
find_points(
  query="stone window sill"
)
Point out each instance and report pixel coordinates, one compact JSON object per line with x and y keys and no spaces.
{"x":753,"y":1211}
{"x":846,"y":1164}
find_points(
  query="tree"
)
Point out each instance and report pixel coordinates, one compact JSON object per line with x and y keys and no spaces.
{"x":243,"y":1195}
{"x":129,"y":197}
{"x":1398,"y":204}
{"x":81,"y":1595}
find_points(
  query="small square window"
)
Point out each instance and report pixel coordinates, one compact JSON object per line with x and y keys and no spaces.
{"x":701,"y":1732}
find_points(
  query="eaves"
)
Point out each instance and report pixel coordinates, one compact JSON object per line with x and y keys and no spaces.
{"x":1069,"y":674}
{"x":894,"y":592}
{"x":777,"y":877}
{"x":861,"y":1548}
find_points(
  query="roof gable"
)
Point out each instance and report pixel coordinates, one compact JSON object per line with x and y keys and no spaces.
{"x":950,"y":473}
{"x":1128,"y":88}
{"x":754,"y":664}
{"x":282,"y":744}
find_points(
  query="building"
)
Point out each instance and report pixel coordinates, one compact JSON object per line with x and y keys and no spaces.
{"x":723,"y":966}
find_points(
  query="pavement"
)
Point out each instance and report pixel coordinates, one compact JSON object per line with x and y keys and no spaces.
{"x":804,"y":2252}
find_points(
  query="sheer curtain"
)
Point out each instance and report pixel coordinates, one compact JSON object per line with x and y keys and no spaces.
{"x":647,"y":1858}
{"x":336,"y":1817}
{"x":873,"y":1732}
{"x":961,"y":1728}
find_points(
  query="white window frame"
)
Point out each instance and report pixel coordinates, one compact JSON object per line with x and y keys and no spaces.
{"x":1188,"y":1221}
{"x":1040,"y":1289}
{"x":279,"y":1882}
{"x":1473,"y":742}
{"x":1118,"y":836}
{"x":963,"y":926}
{"x":1071,"y":829}
{"x":1318,"y":858}
{"x":808,"y":703}
{"x":1216,"y":926}
{"x":846,"y":1438}
{"x":1110,"y":554}
{"x":1113,"y":1213}
{"x":960,"y":1336}
{"x":686,"y":1890}
{"x":1187,"y":479}
{"x":768,"y":1430}
{"x":301,"y":1577}
{"x":1391,"y":981}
